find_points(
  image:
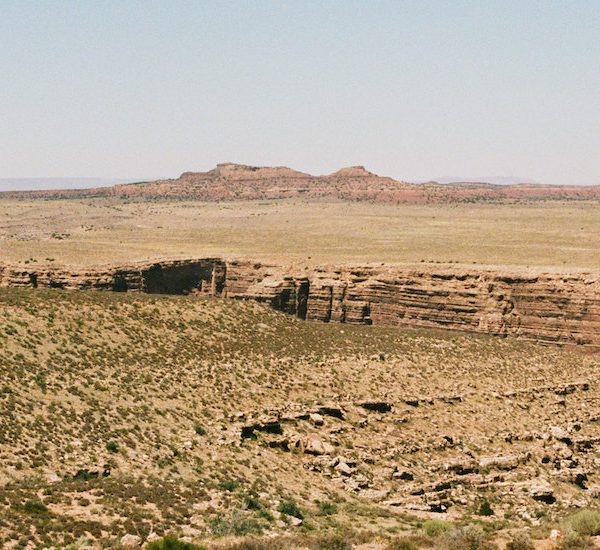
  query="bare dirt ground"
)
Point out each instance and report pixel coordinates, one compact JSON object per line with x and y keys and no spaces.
{"x":559,"y":235}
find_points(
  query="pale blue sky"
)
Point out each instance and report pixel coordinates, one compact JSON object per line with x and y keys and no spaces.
{"x":410,"y":89}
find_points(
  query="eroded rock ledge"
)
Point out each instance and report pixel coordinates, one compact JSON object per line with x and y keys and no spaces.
{"x":549,"y":307}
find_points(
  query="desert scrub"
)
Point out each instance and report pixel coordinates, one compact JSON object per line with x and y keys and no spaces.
{"x":112,"y":446}
{"x":520,"y":541}
{"x":435,"y":527}
{"x":485,"y":508}
{"x":171,"y":542}
{"x":410,"y":542}
{"x":466,"y":538}
{"x":327,"y":508}
{"x":290,"y":508}
{"x":585,"y":522}
{"x":199,"y":429}
{"x":35,"y":508}
{"x":574,"y":541}
{"x":334,"y":541}
{"x":238,"y":523}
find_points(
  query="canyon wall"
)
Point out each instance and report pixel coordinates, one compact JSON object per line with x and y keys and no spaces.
{"x":549,"y":307}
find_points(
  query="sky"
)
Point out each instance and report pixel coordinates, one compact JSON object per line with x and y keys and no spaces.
{"x":410,"y":89}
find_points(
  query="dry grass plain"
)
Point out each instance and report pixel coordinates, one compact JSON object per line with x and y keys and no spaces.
{"x":555,"y":235}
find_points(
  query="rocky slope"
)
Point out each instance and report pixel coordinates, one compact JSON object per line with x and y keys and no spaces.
{"x":235,"y":182}
{"x":136,"y":414}
{"x":544,"y":307}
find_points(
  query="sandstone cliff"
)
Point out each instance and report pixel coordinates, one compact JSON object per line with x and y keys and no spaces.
{"x":549,"y":308}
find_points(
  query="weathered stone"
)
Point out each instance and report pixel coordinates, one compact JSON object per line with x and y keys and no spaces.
{"x":541,"y":490}
{"x":130,"y":542}
{"x":461,"y":466}
{"x":560,"y":434}
{"x":506,"y":462}
{"x":313,"y":444}
{"x":377,"y":406}
{"x":317,"y":419}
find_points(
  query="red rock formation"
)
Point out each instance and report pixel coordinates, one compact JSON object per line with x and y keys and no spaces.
{"x":234,"y":181}
{"x":550,"y":307}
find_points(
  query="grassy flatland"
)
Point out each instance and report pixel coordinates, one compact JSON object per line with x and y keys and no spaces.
{"x":556,"y":235}
{"x":158,"y":389}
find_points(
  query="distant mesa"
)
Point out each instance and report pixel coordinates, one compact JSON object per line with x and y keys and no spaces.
{"x":230,"y":181}
{"x":353,"y":172}
{"x":232,"y":171}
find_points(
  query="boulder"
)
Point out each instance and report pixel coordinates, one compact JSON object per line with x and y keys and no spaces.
{"x":314,"y":445}
{"x":131,"y":542}
{"x":542,"y":491}
{"x":376,"y":406}
{"x":316,"y":419}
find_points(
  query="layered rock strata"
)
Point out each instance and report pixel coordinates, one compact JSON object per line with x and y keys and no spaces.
{"x":549,"y":307}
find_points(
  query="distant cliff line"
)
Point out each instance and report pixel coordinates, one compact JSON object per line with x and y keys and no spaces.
{"x":229,"y":182}
{"x":551,"y":308}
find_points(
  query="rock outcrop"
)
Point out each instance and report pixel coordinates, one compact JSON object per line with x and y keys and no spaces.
{"x":545,"y":307}
{"x":549,"y":307}
{"x":206,"y":276}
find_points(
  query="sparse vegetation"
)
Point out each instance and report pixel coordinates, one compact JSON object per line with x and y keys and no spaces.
{"x":104,"y":398}
{"x":585,"y":522}
{"x":436,"y":527}
{"x":290,"y":508}
{"x":540,"y":233}
{"x":171,"y":542}
{"x":520,"y":541}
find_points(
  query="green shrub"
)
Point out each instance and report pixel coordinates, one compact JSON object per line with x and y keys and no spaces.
{"x":35,"y":508}
{"x":403,"y":543}
{"x":466,"y":538}
{"x":520,"y":541}
{"x":585,"y":522}
{"x":172,"y":543}
{"x":290,"y":508}
{"x":331,"y":542}
{"x":112,"y":446}
{"x":327,"y":508}
{"x":485,"y":508}
{"x":200,"y":429}
{"x":574,"y":541}
{"x":256,"y":505}
{"x":435,"y":527}
{"x":228,"y":485}
{"x":238,"y":523}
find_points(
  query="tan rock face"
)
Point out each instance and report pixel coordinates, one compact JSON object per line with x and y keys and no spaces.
{"x":550,"y":308}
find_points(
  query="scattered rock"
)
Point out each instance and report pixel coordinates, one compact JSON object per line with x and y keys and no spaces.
{"x":316,"y":419}
{"x":314,"y":445}
{"x":131,"y":542}
{"x":293,"y":520}
{"x":329,"y":410}
{"x":542,"y":491}
{"x":560,"y":434}
{"x":461,"y":466}
{"x":377,"y":406}
{"x":270,"y":426}
{"x":344,"y":469}
{"x":404,"y":475}
{"x":506,"y":462}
